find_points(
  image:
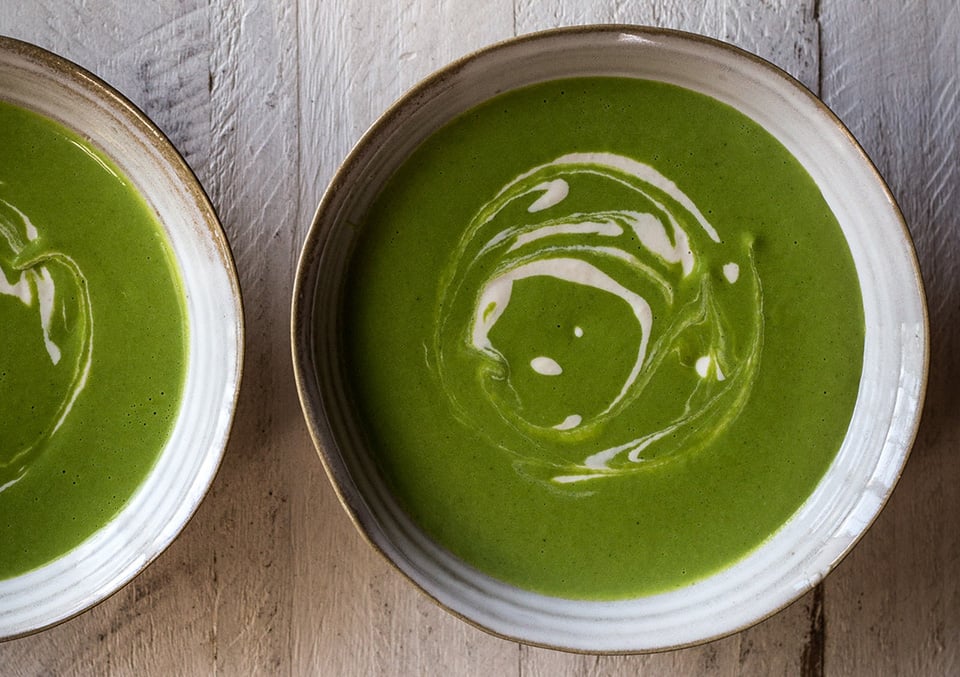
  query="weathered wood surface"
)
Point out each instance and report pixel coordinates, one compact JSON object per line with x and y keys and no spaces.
{"x":265,"y":99}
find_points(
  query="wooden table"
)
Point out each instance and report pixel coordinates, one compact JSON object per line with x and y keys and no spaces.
{"x":264,"y":99}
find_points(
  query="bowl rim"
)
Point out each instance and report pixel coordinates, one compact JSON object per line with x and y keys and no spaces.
{"x":60,"y":66}
{"x":304,"y":293}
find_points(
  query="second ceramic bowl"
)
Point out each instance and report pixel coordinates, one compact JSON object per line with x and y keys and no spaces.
{"x":884,"y":421}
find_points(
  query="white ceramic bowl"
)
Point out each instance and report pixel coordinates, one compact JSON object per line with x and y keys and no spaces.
{"x":40,"y":81}
{"x":886,"y":414}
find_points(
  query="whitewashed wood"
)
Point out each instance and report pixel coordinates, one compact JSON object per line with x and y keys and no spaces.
{"x":782,"y":31}
{"x":253,"y":146}
{"x":893,"y":76}
{"x":265,"y":99}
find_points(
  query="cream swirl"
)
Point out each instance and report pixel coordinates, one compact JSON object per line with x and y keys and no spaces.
{"x":50,"y":342}
{"x":593,"y":323}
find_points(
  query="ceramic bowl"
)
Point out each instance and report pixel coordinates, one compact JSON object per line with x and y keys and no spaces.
{"x":886,"y":414}
{"x":35,"y":79}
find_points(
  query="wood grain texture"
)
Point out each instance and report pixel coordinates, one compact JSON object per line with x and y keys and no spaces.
{"x":265,"y":99}
{"x":892,"y":77}
{"x":253,"y":145}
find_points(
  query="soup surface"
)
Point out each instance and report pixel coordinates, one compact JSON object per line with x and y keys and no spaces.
{"x":604,"y":336}
{"x":92,"y":340}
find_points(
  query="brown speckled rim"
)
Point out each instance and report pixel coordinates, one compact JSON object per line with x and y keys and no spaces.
{"x":305,"y":290}
{"x":133,"y":117}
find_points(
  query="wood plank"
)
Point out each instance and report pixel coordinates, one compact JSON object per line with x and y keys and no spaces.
{"x":250,"y":172}
{"x":214,"y":600}
{"x":892,"y":76}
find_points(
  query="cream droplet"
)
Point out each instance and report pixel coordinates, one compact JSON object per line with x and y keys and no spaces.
{"x":570,"y":422}
{"x":703,"y":366}
{"x":731,"y":271}
{"x":546,"y":366}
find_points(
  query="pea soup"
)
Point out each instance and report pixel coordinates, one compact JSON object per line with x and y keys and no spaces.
{"x":604,"y":336}
{"x":92,"y":340}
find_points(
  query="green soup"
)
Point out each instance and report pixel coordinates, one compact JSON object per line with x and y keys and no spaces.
{"x":92,"y":340}
{"x":604,"y":335}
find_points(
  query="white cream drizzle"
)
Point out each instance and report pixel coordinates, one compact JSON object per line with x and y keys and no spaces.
{"x":653,"y":235}
{"x":553,"y":193}
{"x":579,"y":247}
{"x":46,"y":291}
{"x":589,"y":162}
{"x":36,"y":286}
{"x":608,"y":228}
{"x":22,"y":288}
{"x":495,"y":298}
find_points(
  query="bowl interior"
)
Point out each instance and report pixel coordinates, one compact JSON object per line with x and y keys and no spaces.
{"x":891,"y":388}
{"x":39,"y":81}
